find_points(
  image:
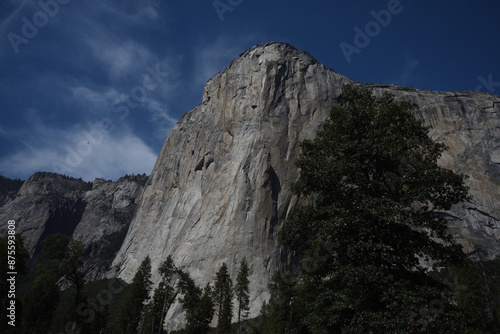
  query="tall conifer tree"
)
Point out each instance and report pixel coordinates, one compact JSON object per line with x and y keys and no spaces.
{"x":162,"y":298}
{"x":376,"y":193}
{"x":197,"y":303}
{"x":241,"y":290}
{"x":135,"y":298}
{"x":223,"y":298}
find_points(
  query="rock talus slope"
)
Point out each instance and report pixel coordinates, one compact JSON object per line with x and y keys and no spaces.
{"x":220,"y":189}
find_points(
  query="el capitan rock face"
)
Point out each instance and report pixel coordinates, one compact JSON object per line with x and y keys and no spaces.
{"x":220,"y":189}
{"x":468,"y":123}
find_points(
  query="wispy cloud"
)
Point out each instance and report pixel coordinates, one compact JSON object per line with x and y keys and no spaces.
{"x":100,"y":149}
{"x":92,"y":99}
{"x":104,"y":32}
{"x":153,"y":105}
{"x":161,"y":117}
{"x":119,"y":58}
{"x":102,"y":55}
{"x":407,"y":76}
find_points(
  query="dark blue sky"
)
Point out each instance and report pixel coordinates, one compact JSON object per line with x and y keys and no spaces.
{"x":91,"y":88}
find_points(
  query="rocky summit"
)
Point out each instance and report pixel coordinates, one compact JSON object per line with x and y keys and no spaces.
{"x":220,"y":189}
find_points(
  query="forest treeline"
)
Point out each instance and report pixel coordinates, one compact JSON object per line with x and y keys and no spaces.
{"x":113,"y":306}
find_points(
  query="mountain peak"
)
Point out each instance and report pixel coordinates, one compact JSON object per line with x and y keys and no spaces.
{"x":280,"y":47}
{"x":270,"y":52}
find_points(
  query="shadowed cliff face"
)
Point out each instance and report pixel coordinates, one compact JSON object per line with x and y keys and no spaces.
{"x":46,"y":203}
{"x":97,"y":214}
{"x":220,"y":189}
{"x":468,"y":123}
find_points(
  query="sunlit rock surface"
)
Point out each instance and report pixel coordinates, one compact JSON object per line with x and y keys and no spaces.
{"x":220,"y":189}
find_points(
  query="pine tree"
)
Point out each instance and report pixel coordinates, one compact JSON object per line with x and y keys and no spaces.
{"x":71,"y":267}
{"x":63,"y":255}
{"x":197,"y":303}
{"x":162,"y":298}
{"x":375,"y":191}
{"x":135,"y":298}
{"x":206,"y":307}
{"x":241,"y":290}
{"x":282,"y":314}
{"x":223,"y":298}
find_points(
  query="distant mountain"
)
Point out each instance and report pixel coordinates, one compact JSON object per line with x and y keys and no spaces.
{"x":98,"y":213}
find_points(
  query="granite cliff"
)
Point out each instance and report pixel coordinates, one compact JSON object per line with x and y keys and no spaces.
{"x":220,"y":189}
{"x":98,"y":213}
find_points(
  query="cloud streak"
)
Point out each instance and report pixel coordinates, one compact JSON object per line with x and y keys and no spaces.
{"x":100,"y":149}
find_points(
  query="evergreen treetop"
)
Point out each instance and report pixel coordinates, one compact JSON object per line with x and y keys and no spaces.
{"x":242,"y":289}
{"x":135,"y":298}
{"x":197,"y":303}
{"x":222,"y":296}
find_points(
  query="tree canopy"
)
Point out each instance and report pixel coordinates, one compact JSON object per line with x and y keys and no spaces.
{"x":197,"y":303}
{"x":375,"y":193}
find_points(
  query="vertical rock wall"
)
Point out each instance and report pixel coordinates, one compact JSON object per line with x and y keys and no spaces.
{"x":220,"y":189}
